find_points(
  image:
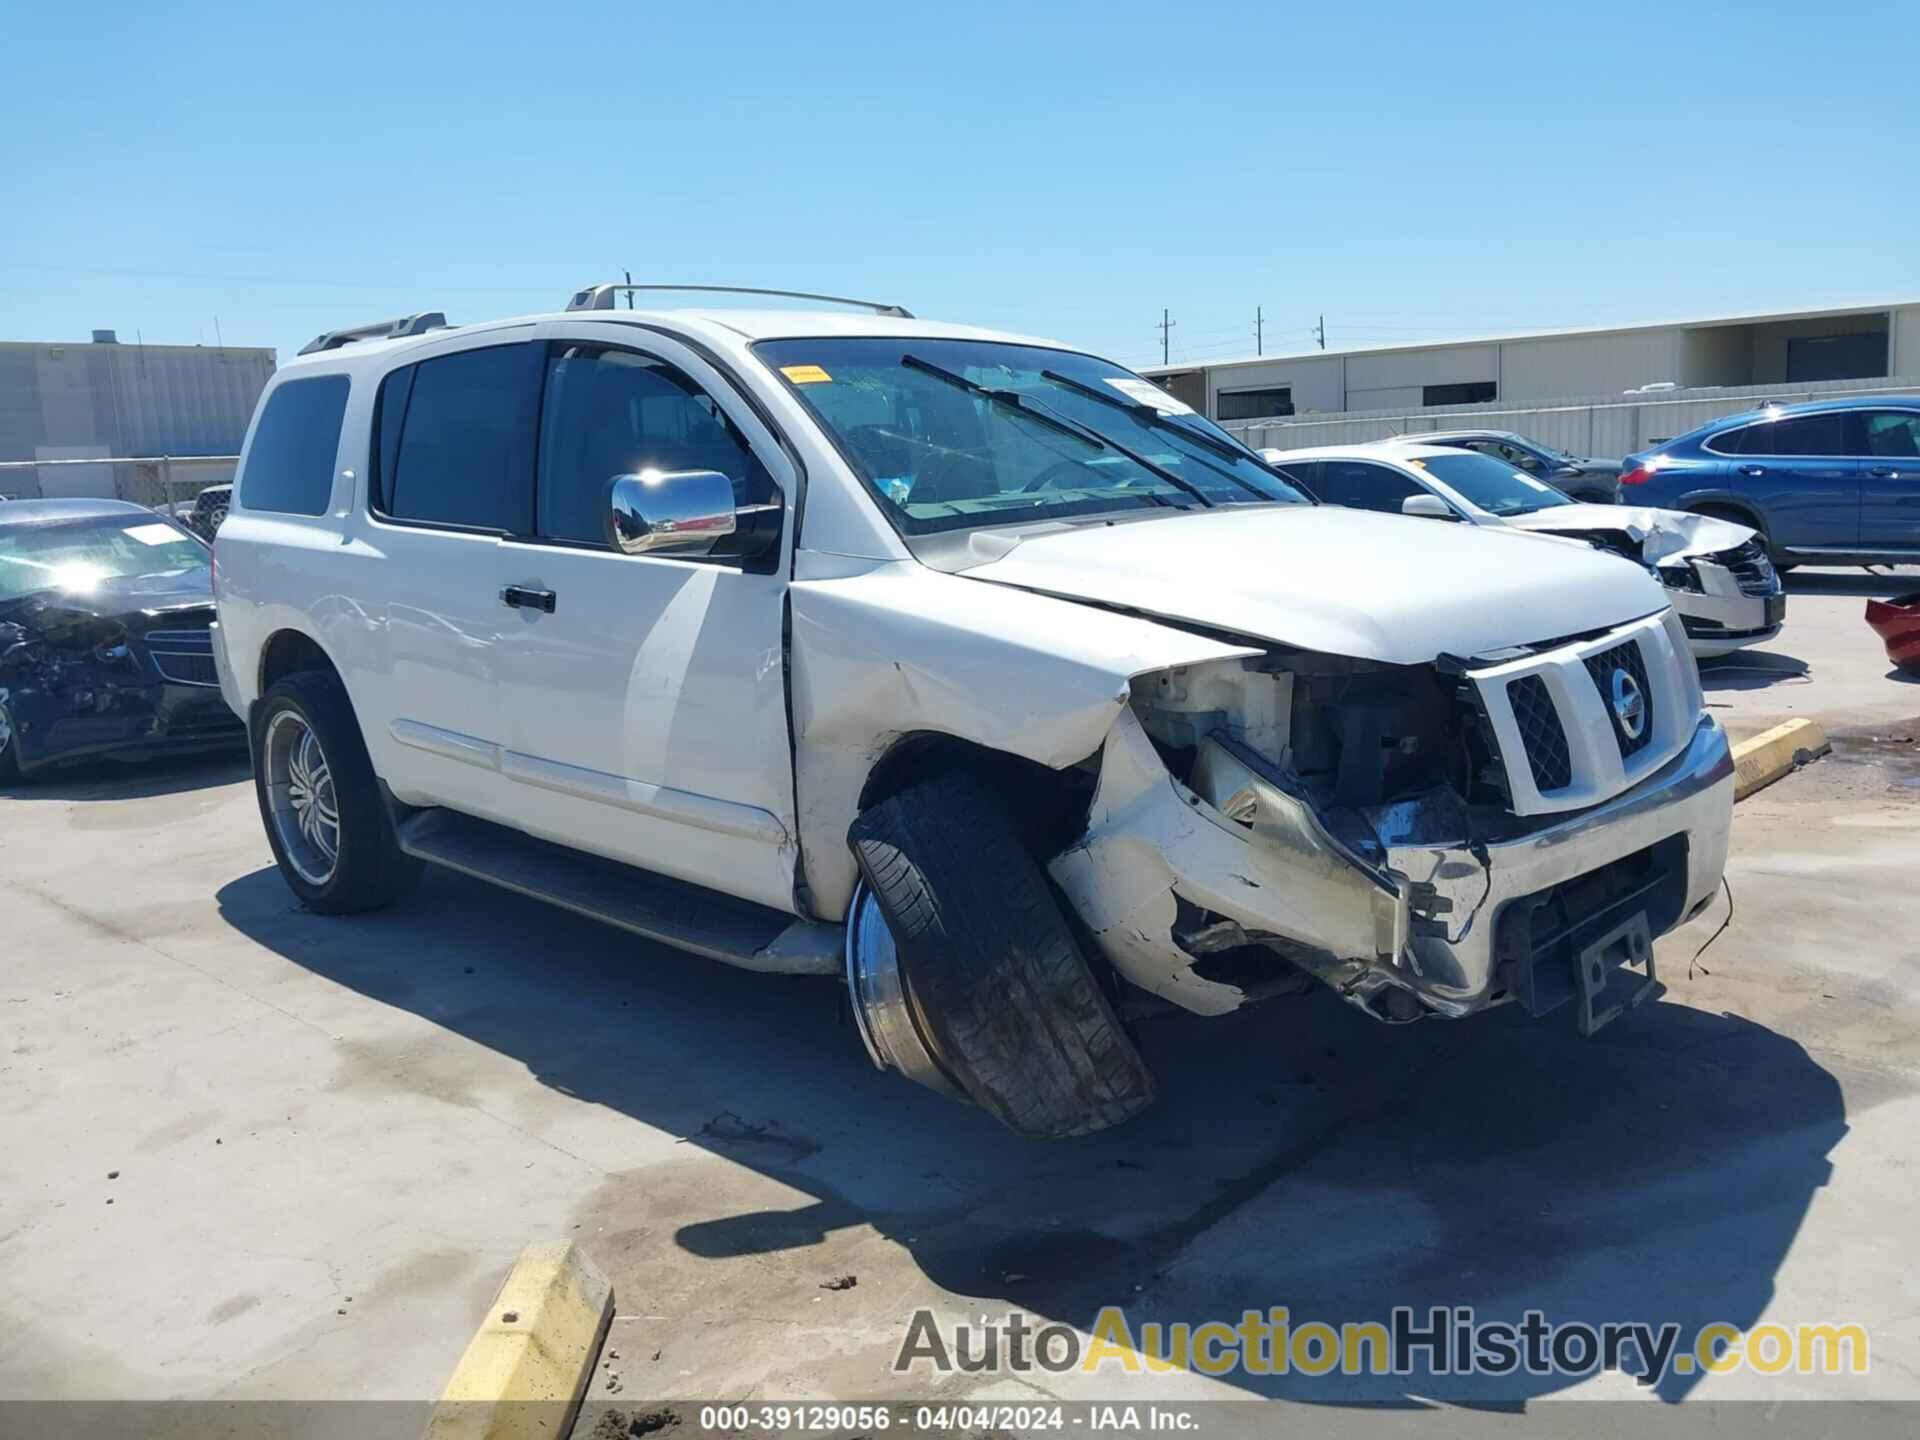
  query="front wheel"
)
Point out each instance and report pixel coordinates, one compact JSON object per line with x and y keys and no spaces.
{"x":325,"y":818}
{"x":966,"y":975}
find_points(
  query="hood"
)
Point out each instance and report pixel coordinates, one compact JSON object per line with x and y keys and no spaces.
{"x":1342,"y":582}
{"x":130,"y":599}
{"x":1658,"y":534}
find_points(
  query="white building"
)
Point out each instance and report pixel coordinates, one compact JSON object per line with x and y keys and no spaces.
{"x":1798,"y":347}
{"x":100,"y":400}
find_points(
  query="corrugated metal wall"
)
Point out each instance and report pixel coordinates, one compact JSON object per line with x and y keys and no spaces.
{"x":1608,"y":426}
{"x":127,"y":399}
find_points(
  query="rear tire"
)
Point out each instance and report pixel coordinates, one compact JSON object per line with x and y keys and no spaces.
{"x":989,"y":962}
{"x":326,"y":819}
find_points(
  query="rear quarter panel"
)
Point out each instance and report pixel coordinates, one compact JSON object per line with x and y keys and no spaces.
{"x":285,"y":572}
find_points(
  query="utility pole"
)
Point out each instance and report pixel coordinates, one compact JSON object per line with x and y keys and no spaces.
{"x":1320,"y":332}
{"x":1165,"y":327}
{"x":1259,"y":325}
{"x":629,"y":275}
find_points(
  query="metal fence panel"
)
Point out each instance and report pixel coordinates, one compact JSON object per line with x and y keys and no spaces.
{"x":1612,"y":425}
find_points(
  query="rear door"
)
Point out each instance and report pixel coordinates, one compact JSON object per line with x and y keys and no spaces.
{"x":1887,"y":443}
{"x":1798,"y":470}
{"x":646,"y":711}
{"x":451,"y":473}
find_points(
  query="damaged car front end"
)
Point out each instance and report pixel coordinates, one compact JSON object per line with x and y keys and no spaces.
{"x":105,"y":639}
{"x":1718,"y":575}
{"x":1425,"y":840}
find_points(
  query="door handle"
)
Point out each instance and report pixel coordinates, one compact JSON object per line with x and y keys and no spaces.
{"x":1755,"y":470}
{"x":522,"y":598}
{"x":1883,"y":472}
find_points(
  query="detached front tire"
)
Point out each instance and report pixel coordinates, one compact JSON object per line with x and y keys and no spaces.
{"x":990,"y":979}
{"x":325,"y":817}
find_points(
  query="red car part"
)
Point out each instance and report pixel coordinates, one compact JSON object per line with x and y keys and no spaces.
{"x":1897,"y":621}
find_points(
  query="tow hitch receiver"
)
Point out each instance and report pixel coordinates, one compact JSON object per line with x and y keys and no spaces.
{"x":1607,"y":986}
{"x":1591,"y":939}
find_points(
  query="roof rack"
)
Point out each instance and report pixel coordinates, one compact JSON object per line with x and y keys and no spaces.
{"x":380,"y":330}
{"x":601,"y":297}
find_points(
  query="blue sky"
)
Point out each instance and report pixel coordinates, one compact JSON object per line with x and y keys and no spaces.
{"x":1411,"y":171}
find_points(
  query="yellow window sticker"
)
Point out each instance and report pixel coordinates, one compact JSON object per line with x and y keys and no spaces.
{"x":806,"y":374}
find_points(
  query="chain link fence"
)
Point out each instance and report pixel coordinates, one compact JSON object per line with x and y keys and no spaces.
{"x":159,"y":482}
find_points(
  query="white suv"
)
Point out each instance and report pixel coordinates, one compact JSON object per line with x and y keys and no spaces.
{"x":970,"y":666}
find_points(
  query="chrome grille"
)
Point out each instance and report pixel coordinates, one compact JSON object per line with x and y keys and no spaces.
{"x":1752,"y":568}
{"x":1601,"y":667}
{"x":183,"y":656}
{"x":1542,"y":733}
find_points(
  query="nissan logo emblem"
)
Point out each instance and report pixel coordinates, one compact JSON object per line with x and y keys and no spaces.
{"x":1629,"y":705}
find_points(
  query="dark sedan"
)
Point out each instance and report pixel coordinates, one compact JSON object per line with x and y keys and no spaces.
{"x":1581,"y":477}
{"x":104,"y":641}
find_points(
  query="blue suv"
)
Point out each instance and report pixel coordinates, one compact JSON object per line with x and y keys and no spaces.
{"x":1831,"y":482}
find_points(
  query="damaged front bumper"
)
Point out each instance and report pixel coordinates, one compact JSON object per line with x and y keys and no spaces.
{"x":1727,"y":612}
{"x":1168,"y":876}
{"x":95,"y":717}
{"x":1726,"y":599}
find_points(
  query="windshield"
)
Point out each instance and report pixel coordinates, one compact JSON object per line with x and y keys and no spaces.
{"x":958,"y":434}
{"x":76,"y":555}
{"x":1491,"y":485}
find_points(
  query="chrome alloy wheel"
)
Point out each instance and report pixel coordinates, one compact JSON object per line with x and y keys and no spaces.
{"x":306,"y":817}
{"x":889,"y":1023}
{"x":6,"y":730}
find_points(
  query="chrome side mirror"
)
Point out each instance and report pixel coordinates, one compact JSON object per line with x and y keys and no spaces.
{"x":1426,"y":507}
{"x":679,"y":512}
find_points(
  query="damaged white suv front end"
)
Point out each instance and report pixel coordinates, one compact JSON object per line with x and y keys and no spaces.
{"x":1241,"y":741}
{"x":1518,"y":828}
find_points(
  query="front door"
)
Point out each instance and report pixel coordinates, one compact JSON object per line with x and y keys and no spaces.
{"x":1888,"y":444}
{"x":1799,"y":470}
{"x":647,"y":708}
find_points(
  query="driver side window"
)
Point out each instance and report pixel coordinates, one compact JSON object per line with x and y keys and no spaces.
{"x":611,"y":412}
{"x":1365,"y":487}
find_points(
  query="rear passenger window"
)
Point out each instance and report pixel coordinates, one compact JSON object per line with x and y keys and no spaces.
{"x":614,"y":412}
{"x":1735,"y":442}
{"x":1806,"y":435}
{"x":463,"y":451}
{"x":289,"y":468}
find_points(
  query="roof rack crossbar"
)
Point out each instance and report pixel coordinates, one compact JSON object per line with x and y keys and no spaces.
{"x":601,"y":297}
{"x":380,"y":330}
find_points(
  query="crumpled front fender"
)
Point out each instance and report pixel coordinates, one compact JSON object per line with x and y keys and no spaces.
{"x":882,"y":650}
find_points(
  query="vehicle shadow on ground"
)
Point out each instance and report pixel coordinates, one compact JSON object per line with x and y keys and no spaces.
{"x":133,"y":779}
{"x":1300,"y":1154}
{"x":1752,"y":670}
{"x":1876,"y":584}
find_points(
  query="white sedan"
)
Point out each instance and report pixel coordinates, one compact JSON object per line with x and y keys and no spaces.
{"x":1716,"y":573}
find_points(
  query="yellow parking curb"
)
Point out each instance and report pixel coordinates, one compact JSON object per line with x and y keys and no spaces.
{"x":527,"y":1367}
{"x":1772,"y":753}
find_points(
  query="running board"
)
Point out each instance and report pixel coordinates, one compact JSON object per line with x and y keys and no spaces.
{"x":687,"y":917}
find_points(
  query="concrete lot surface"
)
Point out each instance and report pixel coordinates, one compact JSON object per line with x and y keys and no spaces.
{"x":257,"y":1153}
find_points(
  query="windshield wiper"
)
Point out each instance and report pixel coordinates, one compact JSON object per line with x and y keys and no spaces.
{"x":1153,"y":415}
{"x":1030,"y":407}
